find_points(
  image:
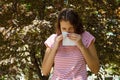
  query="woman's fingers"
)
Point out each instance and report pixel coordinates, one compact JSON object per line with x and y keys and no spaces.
{"x":59,"y":38}
{"x":74,"y":36}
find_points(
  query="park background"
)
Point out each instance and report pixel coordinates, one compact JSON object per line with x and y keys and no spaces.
{"x":26,"y":24}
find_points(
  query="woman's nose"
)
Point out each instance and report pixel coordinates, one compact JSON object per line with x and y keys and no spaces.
{"x":68,"y":30}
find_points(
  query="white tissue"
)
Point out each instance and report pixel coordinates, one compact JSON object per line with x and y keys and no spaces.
{"x":66,"y":40}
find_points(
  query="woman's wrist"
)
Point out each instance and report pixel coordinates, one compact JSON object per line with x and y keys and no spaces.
{"x":80,"y":44}
{"x":56,"y":45}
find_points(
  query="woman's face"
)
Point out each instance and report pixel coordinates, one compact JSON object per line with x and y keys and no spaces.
{"x":65,"y":26}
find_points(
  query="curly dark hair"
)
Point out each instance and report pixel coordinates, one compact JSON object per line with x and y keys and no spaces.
{"x":70,"y":15}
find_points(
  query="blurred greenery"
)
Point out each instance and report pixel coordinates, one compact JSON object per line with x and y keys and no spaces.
{"x":26,"y":24}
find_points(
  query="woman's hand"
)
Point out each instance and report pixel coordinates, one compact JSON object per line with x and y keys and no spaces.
{"x":76,"y":38}
{"x":58,"y":39}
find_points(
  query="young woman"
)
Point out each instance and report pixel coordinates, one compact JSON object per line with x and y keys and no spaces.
{"x":70,"y":61}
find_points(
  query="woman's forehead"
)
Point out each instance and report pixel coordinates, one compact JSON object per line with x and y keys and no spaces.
{"x":66,"y":23}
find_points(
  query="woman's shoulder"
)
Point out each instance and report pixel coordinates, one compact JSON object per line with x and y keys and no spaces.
{"x":50,"y":40}
{"x":87,"y":38}
{"x":86,"y":33}
{"x":52,"y":36}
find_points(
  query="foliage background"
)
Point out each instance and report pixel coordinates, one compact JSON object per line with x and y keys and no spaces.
{"x":26,"y":24}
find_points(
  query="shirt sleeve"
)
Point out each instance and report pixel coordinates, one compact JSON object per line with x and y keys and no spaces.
{"x":50,"y":41}
{"x":87,"y":38}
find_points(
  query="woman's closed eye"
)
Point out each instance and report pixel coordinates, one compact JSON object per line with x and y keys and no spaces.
{"x":63,"y":28}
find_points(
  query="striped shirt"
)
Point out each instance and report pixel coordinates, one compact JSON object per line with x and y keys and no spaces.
{"x":69,"y":63}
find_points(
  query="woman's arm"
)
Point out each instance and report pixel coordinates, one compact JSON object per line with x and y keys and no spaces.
{"x":48,"y":60}
{"x":49,"y":56}
{"x":89,"y":53}
{"x":90,"y":56}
